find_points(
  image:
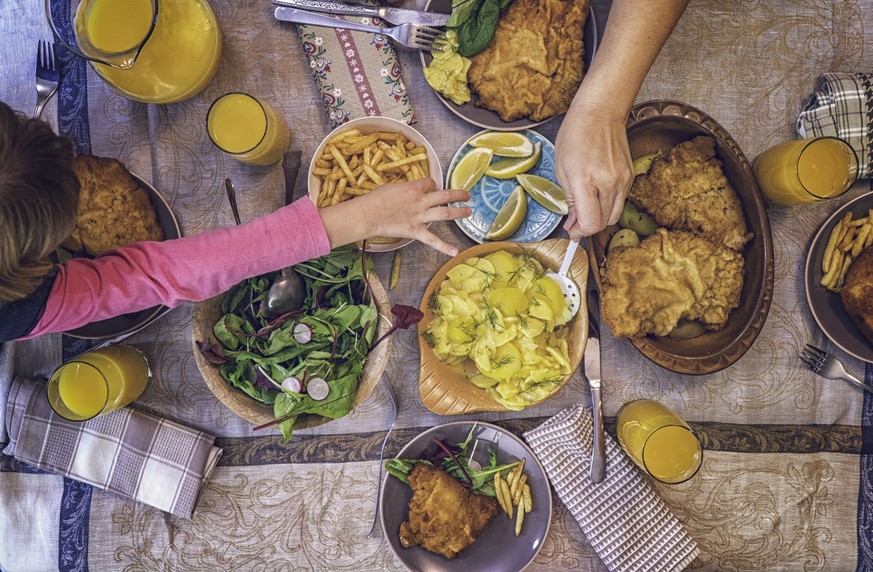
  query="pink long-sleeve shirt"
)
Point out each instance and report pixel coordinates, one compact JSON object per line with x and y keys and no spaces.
{"x":145,"y":274}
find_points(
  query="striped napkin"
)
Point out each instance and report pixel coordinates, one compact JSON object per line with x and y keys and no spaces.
{"x":842,"y":106}
{"x":139,"y":456}
{"x":357,"y":73}
{"x":626,"y":523}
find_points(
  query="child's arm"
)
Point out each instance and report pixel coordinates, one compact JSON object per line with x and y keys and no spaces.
{"x":145,"y":274}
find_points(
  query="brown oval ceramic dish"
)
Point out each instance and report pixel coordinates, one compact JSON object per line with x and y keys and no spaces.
{"x":658,"y":126}
{"x":207,"y":313}
{"x":444,"y":389}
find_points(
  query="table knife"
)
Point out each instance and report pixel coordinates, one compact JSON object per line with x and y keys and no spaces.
{"x":393,"y":15}
{"x":291,"y":167}
{"x":592,"y":372}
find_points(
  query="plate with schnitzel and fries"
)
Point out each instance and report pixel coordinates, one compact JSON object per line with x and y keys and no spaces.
{"x":367,"y":152}
{"x":513,"y":71}
{"x":463,"y":496}
{"x":839,"y":277}
{"x":116,"y":207}
{"x":687,"y":275}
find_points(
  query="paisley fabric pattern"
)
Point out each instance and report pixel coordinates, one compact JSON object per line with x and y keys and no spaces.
{"x":787,"y":477}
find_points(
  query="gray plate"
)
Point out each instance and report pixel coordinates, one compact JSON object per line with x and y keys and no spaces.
{"x":826,"y":307}
{"x":497,"y":549}
{"x":135,"y":321}
{"x":486,"y":118}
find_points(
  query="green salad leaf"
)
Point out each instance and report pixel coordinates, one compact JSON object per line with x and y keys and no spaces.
{"x":341,"y":317}
{"x":475,"y":22}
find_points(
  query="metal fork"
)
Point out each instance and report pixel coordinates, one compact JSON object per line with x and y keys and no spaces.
{"x":47,"y":75}
{"x":396,"y":405}
{"x":413,"y":36}
{"x":828,"y":366}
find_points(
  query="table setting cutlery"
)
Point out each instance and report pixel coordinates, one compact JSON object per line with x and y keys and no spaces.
{"x":592,"y":372}
{"x":392,"y":15}
{"x":413,"y":36}
{"x":395,"y":410}
{"x":47,"y":75}
{"x":829,"y":367}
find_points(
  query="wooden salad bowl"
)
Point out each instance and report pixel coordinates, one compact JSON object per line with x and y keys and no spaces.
{"x":208,"y":312}
{"x":444,"y":389}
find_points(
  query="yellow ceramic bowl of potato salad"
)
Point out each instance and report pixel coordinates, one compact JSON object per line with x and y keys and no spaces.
{"x":497,"y":334}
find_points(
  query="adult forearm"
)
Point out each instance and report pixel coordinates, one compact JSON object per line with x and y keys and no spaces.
{"x":635,"y":32}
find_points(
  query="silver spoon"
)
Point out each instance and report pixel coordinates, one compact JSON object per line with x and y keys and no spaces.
{"x":568,"y":287}
{"x":285,"y":294}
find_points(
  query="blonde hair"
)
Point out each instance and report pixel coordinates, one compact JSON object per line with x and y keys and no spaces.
{"x":39,"y":195}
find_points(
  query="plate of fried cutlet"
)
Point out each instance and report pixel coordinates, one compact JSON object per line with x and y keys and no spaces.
{"x":436,"y":524}
{"x":116,"y":207}
{"x":689,"y":281}
{"x":533,"y":66}
{"x":843,"y":307}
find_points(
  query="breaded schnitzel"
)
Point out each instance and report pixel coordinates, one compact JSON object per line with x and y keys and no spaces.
{"x":687,"y":190}
{"x":670,"y":276}
{"x":444,"y":517}
{"x":114,"y":209}
{"x":857,"y":292}
{"x":533,"y":65}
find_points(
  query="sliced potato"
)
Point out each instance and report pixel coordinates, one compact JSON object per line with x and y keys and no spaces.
{"x":625,"y":238}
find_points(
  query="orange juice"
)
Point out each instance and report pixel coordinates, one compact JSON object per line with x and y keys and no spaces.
{"x":658,"y":441}
{"x":248,"y":129}
{"x":98,"y":381}
{"x":805,"y":171}
{"x":177,"y":61}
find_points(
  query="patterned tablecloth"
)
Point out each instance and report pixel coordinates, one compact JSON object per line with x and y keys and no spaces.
{"x":786,"y":479}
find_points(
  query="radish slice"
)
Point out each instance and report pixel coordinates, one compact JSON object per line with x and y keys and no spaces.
{"x":317,"y":388}
{"x":302,"y":333}
{"x":292,"y":384}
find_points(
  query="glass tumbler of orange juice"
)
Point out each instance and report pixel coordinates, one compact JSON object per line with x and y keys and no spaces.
{"x":247,"y":129}
{"x":806,"y":170}
{"x":659,"y":441}
{"x":99,"y":381}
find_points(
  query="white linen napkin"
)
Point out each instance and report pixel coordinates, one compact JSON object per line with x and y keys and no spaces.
{"x":842,"y":106}
{"x":626,"y":523}
{"x":134,"y":454}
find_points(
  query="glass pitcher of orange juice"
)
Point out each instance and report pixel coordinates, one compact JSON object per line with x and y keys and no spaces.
{"x":150,"y":51}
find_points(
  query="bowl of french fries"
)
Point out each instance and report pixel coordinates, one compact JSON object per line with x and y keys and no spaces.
{"x":365,"y":153}
{"x":839,"y":241}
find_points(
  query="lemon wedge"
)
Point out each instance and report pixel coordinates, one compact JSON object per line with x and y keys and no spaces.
{"x":508,"y":168}
{"x":470,"y":168}
{"x":509,"y":217}
{"x":504,"y":143}
{"x":545,"y":192}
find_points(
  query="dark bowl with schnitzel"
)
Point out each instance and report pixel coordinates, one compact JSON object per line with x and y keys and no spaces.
{"x":659,"y":126}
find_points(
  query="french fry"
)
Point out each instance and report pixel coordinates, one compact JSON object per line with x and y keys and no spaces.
{"x":378,"y":154}
{"x":498,"y":489}
{"x":400,"y":163}
{"x":345,"y":135}
{"x":860,"y":239}
{"x":528,"y":499}
{"x":519,"y":521}
{"x":519,"y":470}
{"x":869,"y":242}
{"x":829,"y":249}
{"x":362,"y":144}
{"x":321,"y":171}
{"x":395,"y":271}
{"x":507,"y":497}
{"x":516,"y":497}
{"x":374,"y":176}
{"x":341,"y":161}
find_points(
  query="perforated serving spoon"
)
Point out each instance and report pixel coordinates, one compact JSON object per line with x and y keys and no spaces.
{"x":568,"y":287}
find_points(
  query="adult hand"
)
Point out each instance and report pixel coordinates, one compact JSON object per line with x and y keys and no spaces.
{"x":593,"y":165}
{"x":401,"y":210}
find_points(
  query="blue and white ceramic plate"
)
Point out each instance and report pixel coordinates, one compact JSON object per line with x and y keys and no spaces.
{"x":489,"y":194}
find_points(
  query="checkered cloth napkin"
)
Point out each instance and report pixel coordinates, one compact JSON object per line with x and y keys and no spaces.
{"x":626,"y":523}
{"x":139,"y":456}
{"x":842,"y":106}
{"x":357,"y":73}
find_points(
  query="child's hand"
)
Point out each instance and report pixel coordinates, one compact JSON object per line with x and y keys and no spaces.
{"x":401,"y":210}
